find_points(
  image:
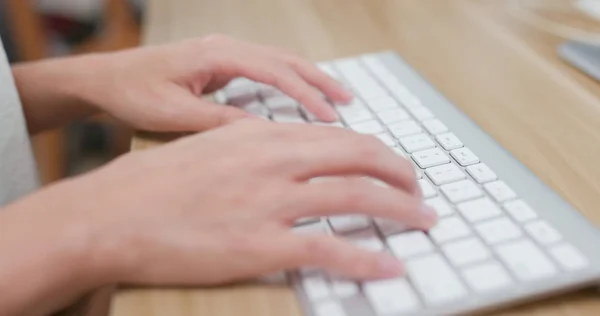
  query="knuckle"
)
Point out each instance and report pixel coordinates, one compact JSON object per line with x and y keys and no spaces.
{"x":355,"y":194}
{"x":367,"y":146}
{"x":316,"y":248}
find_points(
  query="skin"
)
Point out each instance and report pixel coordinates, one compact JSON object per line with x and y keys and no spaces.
{"x":179,"y":213}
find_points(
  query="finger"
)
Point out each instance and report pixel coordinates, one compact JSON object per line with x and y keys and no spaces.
{"x":196,"y":114}
{"x":317,"y":78}
{"x":337,"y":256}
{"x":352,"y":154}
{"x":278,"y":74}
{"x":354,"y":195}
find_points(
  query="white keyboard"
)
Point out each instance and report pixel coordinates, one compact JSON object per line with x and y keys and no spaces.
{"x":490,"y":247}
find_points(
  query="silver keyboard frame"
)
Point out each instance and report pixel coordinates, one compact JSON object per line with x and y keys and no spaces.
{"x":573,"y":226}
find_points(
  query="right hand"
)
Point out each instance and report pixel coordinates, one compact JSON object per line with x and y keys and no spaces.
{"x":219,"y":206}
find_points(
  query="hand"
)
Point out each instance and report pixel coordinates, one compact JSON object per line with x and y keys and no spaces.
{"x":219,"y":206}
{"x":159,"y":88}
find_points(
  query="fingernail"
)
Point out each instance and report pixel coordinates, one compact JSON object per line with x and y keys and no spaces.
{"x":389,"y":266}
{"x":430,"y":216}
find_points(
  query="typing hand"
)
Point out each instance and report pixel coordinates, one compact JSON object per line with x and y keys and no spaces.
{"x":159,"y":88}
{"x":219,"y":206}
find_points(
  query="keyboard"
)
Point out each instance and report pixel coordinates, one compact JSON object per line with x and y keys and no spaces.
{"x":503,"y":236}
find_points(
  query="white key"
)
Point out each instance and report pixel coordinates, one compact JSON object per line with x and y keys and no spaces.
{"x":449,"y":141}
{"x":435,"y":280}
{"x":351,"y":117}
{"x":466,"y":251}
{"x":279,"y":118}
{"x":332,"y":124}
{"x":500,"y":191}
{"x":366,"y":239}
{"x":307,"y":220}
{"x":347,"y":223}
{"x":481,"y":173}
{"x":369,"y":89}
{"x":520,"y":210}
{"x":383,"y":104}
{"x":238,"y":82}
{"x":449,"y":228}
{"x":569,"y":257}
{"x":313,"y":228}
{"x":393,"y":116}
{"x":445,"y":174}
{"x":367,"y":127}
{"x":487,"y":277}
{"x":390,"y":227}
{"x":461,"y":191}
{"x":435,"y":126}
{"x":543,"y":233}
{"x":427,"y":189}
{"x":316,"y":287}
{"x":329,"y":308}
{"x":478,"y":210}
{"x":421,"y":113}
{"x":344,"y":288}
{"x":391,"y":297}
{"x":498,"y":230}
{"x":416,"y":143}
{"x":430,"y":158}
{"x":386,"y":139}
{"x":408,"y":99}
{"x":410,"y":244}
{"x":241,"y":92}
{"x":440,"y":206}
{"x":464,"y":156}
{"x":254,"y":107}
{"x":279,"y":102}
{"x":526,"y":260}
{"x":328,"y":69}
{"x":405,"y":128}
{"x":418,"y":173}
{"x":399,"y":152}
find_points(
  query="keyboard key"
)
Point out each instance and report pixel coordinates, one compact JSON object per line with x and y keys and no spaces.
{"x":366,"y":239}
{"x":332,"y":124}
{"x":498,"y":230}
{"x":435,"y":126}
{"x":347,"y":223}
{"x":526,"y":260}
{"x":435,"y":280}
{"x":449,"y":228}
{"x":416,"y":143}
{"x":461,"y":191}
{"x":386,"y":139}
{"x":440,"y":206}
{"x":543,"y":233}
{"x":430,"y":158}
{"x":464,"y":156}
{"x":389,"y":227}
{"x":427,"y":189}
{"x":393,"y":116}
{"x":383,"y":104}
{"x":478,"y":210}
{"x":312,"y":228}
{"x":391,"y":297}
{"x":399,"y":152}
{"x":449,"y":141}
{"x":329,"y":308}
{"x":466,"y":251}
{"x":328,"y":69}
{"x":481,"y":173}
{"x":307,"y":220}
{"x":356,"y":116}
{"x":418,"y":173}
{"x":487,"y":277}
{"x":445,"y":174}
{"x":281,"y":102}
{"x":569,"y":257}
{"x":409,"y":244}
{"x":344,"y":288}
{"x":405,"y":128}
{"x":520,"y":211}
{"x":500,"y":191}
{"x":288,"y":119}
{"x":316,"y":287}
{"x":420,"y":112}
{"x":239,"y":82}
{"x":255,"y":107}
{"x":367,"y":127}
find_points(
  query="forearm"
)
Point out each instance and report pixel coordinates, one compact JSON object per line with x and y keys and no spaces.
{"x":51,"y":91}
{"x":46,"y":260}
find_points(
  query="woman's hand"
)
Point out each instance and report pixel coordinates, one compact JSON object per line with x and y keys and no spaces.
{"x":159,"y":88}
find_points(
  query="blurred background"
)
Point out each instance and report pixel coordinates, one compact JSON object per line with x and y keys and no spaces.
{"x":37,"y":29}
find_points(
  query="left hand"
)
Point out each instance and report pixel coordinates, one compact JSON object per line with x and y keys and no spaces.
{"x":159,"y":88}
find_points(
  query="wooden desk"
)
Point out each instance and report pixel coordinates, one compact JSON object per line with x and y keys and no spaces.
{"x":501,"y":71}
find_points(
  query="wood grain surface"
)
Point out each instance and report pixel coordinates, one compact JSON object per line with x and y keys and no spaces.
{"x":499,"y":67}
